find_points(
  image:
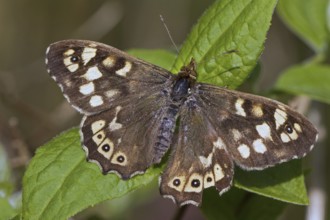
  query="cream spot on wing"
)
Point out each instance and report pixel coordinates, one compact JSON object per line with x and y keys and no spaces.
{"x":123,"y":71}
{"x":68,"y":82}
{"x":257,"y":110}
{"x":239,"y":108}
{"x":87,"y":54}
{"x":68,"y":52}
{"x":244,"y":151}
{"x":177,"y":183}
{"x":236,"y":134}
{"x":69,"y":65}
{"x":218,"y":172}
{"x":119,"y":158}
{"x":264,"y":131}
{"x":111,"y":93}
{"x":189,"y":202}
{"x":281,"y":107}
{"x":219,"y":143}
{"x":284,"y":137}
{"x":98,"y":137}
{"x":92,"y":45}
{"x":293,"y":135}
{"x":97,"y":126}
{"x":297,"y":127}
{"x":106,"y":148}
{"x":195,"y":183}
{"x":109,"y":62}
{"x":72,"y":67}
{"x":47,"y":50}
{"x":96,"y":100}
{"x":62,"y":89}
{"x":280,"y":117}
{"x":92,"y":74}
{"x":208,"y":180}
{"x":87,"y":89}
{"x":259,"y":146}
{"x":113,"y":125}
{"x":206,"y":161}
{"x":169,"y":197}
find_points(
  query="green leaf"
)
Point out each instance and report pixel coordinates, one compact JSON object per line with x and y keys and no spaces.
{"x":222,"y":207}
{"x":227,"y":41}
{"x":310,"y":80}
{"x":308,"y":20}
{"x":162,"y":58}
{"x":7,"y":209}
{"x":59,"y":182}
{"x":259,"y":208}
{"x":239,"y":205}
{"x":284,"y":182}
{"x":7,"y":212}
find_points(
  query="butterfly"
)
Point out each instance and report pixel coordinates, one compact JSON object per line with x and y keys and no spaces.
{"x":135,"y":113}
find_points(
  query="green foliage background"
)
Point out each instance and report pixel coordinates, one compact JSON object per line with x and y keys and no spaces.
{"x":58,"y":182}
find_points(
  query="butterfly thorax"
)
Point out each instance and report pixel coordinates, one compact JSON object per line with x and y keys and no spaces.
{"x":184,"y":81}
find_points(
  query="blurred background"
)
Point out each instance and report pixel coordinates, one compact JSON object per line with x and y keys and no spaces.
{"x":33,"y":110}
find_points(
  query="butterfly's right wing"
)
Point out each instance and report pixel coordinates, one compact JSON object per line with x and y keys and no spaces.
{"x":95,"y":77}
{"x":220,"y":127}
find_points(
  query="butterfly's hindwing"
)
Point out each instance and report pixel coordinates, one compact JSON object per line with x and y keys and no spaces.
{"x":131,"y":109}
{"x":198,"y":160}
{"x":127,"y":141}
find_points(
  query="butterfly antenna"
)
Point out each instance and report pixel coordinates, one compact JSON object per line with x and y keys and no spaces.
{"x":169,"y":33}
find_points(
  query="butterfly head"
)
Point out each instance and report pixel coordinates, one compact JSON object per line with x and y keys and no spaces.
{"x":189,"y":71}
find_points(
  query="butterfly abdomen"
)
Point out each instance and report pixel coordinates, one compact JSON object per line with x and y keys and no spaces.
{"x":165,"y":132}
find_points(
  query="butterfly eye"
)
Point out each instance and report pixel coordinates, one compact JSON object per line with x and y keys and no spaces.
{"x":176,"y":182}
{"x":195,"y":183}
{"x":288,"y":128}
{"x":120,"y":159}
{"x":74,"y":59}
{"x":106,"y":147}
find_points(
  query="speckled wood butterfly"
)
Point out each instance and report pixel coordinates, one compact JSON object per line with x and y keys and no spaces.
{"x":135,"y":111}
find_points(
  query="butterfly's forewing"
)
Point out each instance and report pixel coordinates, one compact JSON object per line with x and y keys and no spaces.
{"x":257,"y":132}
{"x":198,"y":159}
{"x":94,"y":76}
{"x":124,"y":100}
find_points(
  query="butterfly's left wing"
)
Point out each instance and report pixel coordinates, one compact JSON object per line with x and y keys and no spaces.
{"x":198,"y":158}
{"x":258,"y":132}
{"x":219,"y":127}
